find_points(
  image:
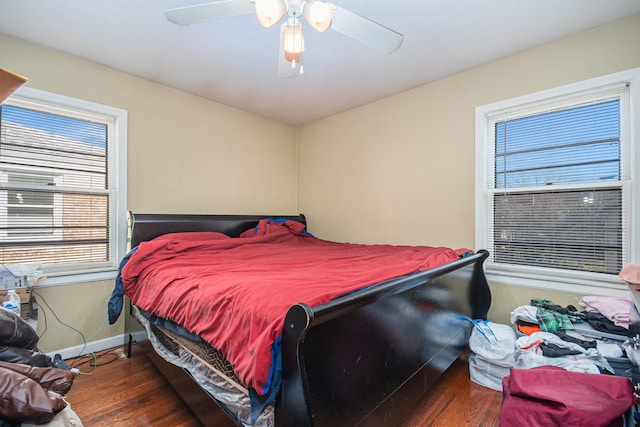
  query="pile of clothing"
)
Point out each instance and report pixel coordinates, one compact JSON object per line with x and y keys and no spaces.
{"x":579,"y":341}
{"x":607,"y":314}
{"x":562,"y":348}
{"x":604,"y":314}
{"x":32,"y":389}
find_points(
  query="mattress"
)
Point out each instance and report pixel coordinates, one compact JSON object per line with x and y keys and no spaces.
{"x":209,"y":369}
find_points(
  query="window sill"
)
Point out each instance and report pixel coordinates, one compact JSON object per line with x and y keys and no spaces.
{"x":586,"y":285}
{"x":70,"y":279}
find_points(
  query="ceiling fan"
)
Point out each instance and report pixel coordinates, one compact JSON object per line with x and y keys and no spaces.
{"x":319,"y":14}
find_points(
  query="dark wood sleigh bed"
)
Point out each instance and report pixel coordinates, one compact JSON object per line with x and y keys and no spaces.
{"x":366,"y":358}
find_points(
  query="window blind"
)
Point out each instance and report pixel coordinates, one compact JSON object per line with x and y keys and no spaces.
{"x":557,"y":192}
{"x":574,"y":145}
{"x":54,"y":188}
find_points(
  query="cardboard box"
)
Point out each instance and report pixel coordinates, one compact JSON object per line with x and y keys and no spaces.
{"x":28,"y":308}
{"x":24,"y":293}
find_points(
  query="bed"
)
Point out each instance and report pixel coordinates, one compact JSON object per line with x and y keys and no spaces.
{"x":364,"y":357}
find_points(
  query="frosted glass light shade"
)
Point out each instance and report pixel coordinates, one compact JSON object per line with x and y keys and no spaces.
{"x":293,"y":41}
{"x":318,"y":14}
{"x":269,"y":12}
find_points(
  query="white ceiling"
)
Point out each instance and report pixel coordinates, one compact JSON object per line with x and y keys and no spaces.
{"x":234,"y":61}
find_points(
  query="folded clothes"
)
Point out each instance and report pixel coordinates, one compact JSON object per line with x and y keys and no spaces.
{"x":600,"y":323}
{"x":610,"y":350}
{"x":607,"y":348}
{"x":570,"y":311}
{"x":550,"y":320}
{"x":582,"y":343}
{"x":614,"y":309}
{"x":529,"y":353}
{"x":527,"y":328}
{"x":527,"y":313}
{"x":555,"y":350}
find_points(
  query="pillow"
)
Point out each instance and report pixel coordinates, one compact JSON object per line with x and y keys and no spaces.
{"x":267,"y":225}
{"x":193,"y":236}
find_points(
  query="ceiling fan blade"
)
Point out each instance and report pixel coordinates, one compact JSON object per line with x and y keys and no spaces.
{"x":209,"y":11}
{"x":365,"y":31}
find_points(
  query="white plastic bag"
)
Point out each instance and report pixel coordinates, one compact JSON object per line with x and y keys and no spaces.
{"x":486,"y":374}
{"x":493,"y":347}
{"x":494,"y":343}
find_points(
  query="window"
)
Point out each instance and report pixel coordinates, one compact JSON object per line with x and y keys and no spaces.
{"x":32,"y":207}
{"x":62,"y":185}
{"x":555,"y":187}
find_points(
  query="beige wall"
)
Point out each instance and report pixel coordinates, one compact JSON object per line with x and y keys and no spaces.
{"x":401,"y":170}
{"x":185,"y":154}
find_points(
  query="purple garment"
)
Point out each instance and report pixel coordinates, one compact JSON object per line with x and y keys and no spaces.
{"x":549,"y":396}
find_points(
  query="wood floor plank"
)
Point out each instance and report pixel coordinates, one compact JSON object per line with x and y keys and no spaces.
{"x":456,"y":401}
{"x":131,"y":392}
{"x":127,"y":392}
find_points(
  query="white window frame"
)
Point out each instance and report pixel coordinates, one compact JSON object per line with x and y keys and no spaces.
{"x":117,"y":180}
{"x":565,"y":281}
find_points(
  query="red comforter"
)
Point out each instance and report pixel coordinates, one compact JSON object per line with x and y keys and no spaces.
{"x":235,"y":292}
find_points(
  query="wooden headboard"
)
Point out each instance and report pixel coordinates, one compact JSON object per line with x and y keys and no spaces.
{"x":144,"y":227}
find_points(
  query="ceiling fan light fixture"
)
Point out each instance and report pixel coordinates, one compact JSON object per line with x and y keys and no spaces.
{"x":293,"y":41}
{"x":269,"y":12}
{"x":293,"y":57}
{"x":318,"y":14}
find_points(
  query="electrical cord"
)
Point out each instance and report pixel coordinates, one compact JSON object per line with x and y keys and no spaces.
{"x":91,"y":356}
{"x":94,"y":360}
{"x":84,"y":340}
{"x":44,"y":314}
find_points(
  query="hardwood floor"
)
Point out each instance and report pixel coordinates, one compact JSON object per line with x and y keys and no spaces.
{"x":456,"y":401}
{"x":126,"y":392}
{"x":130,"y":392}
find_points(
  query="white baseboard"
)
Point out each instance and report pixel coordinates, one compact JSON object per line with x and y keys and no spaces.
{"x":90,"y":347}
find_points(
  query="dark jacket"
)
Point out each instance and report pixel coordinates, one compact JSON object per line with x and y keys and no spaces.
{"x":31,"y":389}
{"x":18,"y":342}
{"x":34,"y":394}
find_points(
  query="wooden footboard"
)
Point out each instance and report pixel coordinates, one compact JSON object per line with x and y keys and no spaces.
{"x":366,"y":358}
